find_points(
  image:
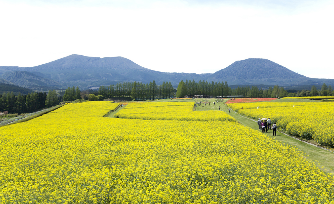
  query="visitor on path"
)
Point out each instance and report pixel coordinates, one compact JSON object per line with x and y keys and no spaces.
{"x":274,"y":129}
{"x":269,"y":124}
{"x":262,"y":126}
{"x":229,"y":110}
{"x":266,"y":125}
{"x":259,"y":123}
{"x":219,"y":108}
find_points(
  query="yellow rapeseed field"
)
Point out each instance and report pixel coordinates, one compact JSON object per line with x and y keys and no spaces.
{"x":74,"y":155}
{"x":306,"y":119}
{"x":310,"y":97}
{"x":170,"y":111}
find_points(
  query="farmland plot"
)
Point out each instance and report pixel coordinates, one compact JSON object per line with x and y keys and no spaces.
{"x":311,"y":120}
{"x":76,"y":155}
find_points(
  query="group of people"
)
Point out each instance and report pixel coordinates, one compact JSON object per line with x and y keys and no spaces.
{"x":265,"y":125}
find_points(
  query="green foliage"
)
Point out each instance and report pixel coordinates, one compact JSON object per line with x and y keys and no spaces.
{"x":51,"y":99}
{"x":324,"y":90}
{"x":181,"y":90}
{"x":12,"y":88}
{"x":22,"y":103}
{"x":255,"y":92}
{"x":204,"y":88}
{"x":330,"y":91}
{"x":314,"y":91}
{"x":92,"y":97}
{"x":72,"y":94}
{"x":134,"y":91}
{"x":137,"y":90}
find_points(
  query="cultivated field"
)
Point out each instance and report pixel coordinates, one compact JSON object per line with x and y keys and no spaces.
{"x":75,"y":155}
{"x":309,"y":120}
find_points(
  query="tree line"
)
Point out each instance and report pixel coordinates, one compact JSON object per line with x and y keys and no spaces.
{"x":35,"y":101}
{"x":221,"y":89}
{"x":324,"y":91}
{"x":137,"y":91}
{"x":27,"y":103}
{"x":203,"y":89}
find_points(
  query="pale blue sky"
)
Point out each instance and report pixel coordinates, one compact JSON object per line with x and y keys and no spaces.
{"x":177,"y":35}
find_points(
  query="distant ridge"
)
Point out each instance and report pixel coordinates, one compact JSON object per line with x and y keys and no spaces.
{"x":75,"y":61}
{"x":85,"y":72}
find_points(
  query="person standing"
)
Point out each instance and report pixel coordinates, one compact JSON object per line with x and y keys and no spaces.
{"x":263,"y":127}
{"x":229,"y":110}
{"x":274,"y":129}
{"x":266,"y":125}
{"x":269,"y":124}
{"x":259,"y":123}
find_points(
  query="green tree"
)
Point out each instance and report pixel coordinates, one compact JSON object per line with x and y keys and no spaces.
{"x":330,"y":91}
{"x":282,"y":92}
{"x":134,"y":92}
{"x":92,"y":97}
{"x":324,"y":90}
{"x":77,"y":93}
{"x":314,"y":91}
{"x":68,"y":95}
{"x":181,"y":90}
{"x":20,"y":104}
{"x":275,"y":92}
{"x":154,"y":89}
{"x":51,"y":98}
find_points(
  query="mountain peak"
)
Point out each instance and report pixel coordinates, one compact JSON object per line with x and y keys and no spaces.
{"x":257,"y":71}
{"x":83,"y":71}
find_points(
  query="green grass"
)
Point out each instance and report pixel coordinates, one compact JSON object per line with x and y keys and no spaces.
{"x":37,"y":114}
{"x":322,"y":158}
{"x":111,"y":114}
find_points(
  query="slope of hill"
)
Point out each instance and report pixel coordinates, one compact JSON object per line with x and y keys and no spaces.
{"x":2,"y":81}
{"x":5,"y":88}
{"x":29,"y":80}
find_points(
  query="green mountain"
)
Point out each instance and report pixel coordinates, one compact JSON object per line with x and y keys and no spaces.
{"x":4,"y":88}
{"x":86,"y":72}
{"x":30,"y":80}
{"x":2,"y":81}
{"x":257,"y":71}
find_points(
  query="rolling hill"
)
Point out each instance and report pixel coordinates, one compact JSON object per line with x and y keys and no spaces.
{"x":85,"y":72}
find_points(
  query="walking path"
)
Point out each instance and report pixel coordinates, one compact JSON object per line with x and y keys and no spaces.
{"x":28,"y":116}
{"x":296,"y":138}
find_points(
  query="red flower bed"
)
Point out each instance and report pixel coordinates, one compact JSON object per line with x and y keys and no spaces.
{"x":248,"y":100}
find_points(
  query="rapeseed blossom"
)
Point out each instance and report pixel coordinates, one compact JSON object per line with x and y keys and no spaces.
{"x":305,"y":119}
{"x":170,"y":111}
{"x":75,"y":155}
